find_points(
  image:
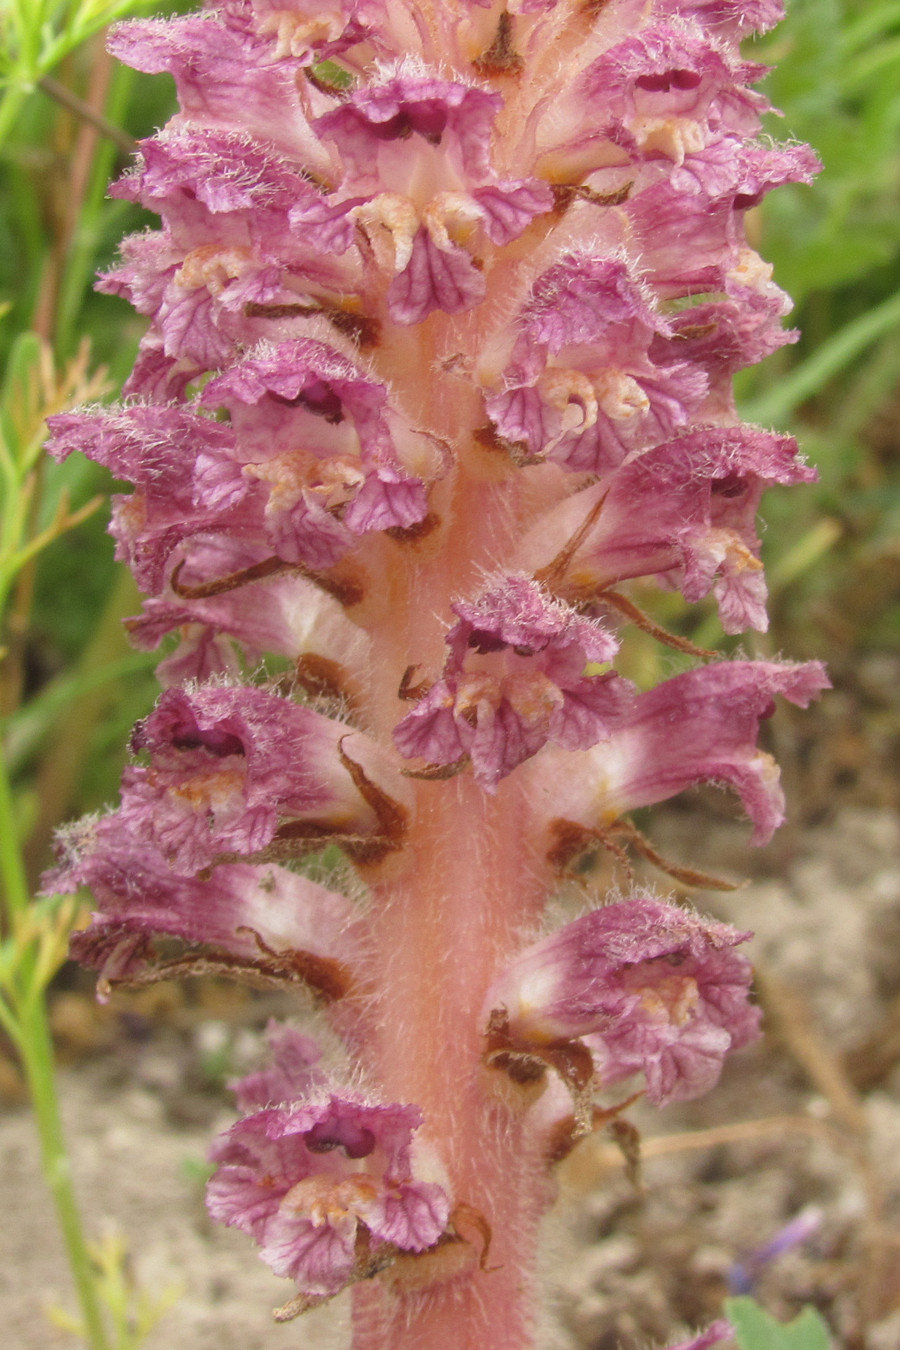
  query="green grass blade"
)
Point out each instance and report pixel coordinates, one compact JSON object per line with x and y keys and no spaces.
{"x":833,"y":356}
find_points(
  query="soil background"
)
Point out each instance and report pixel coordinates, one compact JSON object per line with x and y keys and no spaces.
{"x":806,"y":1124}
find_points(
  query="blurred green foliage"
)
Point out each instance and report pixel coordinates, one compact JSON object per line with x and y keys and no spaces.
{"x":836,"y":249}
{"x":71,"y":688}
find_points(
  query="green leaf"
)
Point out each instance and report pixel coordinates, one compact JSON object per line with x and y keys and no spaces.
{"x":756,"y":1329}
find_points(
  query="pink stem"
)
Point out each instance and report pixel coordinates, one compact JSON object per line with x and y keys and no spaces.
{"x":470,"y":883}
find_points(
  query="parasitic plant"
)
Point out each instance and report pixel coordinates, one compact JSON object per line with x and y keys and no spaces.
{"x":444,"y":313}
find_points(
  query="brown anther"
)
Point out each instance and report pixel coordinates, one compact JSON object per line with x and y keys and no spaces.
{"x":437,"y":773}
{"x":308,"y":835}
{"x":615,"y":197}
{"x":259,"y":974}
{"x":411,"y":534}
{"x":463,"y":1216}
{"x":296,"y":1307}
{"x":409,"y":692}
{"x":392,"y":817}
{"x":365,"y":332}
{"x":489,"y":439}
{"x":628,"y":1139}
{"x":630,"y":611}
{"x":563,"y":1137}
{"x":523,"y":1068}
{"x":686,"y":875}
{"x":269,"y":567}
{"x":254,"y":309}
{"x":525,"y":1062}
{"x":500,"y":58}
{"x":320,"y":677}
{"x":564,"y":194}
{"x":570,"y":841}
{"x":346,"y":589}
{"x":551,"y":576}
{"x":694,"y":330}
{"x":328,"y":979}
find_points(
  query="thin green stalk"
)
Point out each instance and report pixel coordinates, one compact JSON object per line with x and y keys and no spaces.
{"x":25,"y":997}
{"x":37,"y":1058}
{"x":11,"y":104}
{"x":12,"y":865}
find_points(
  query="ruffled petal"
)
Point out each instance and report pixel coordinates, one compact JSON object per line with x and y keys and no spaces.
{"x":305,"y":1177}
{"x":653,"y":988}
{"x":700,"y":727}
{"x":513,"y":681}
{"x":229,"y":763}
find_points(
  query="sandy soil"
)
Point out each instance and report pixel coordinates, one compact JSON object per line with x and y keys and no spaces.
{"x":809,"y":1118}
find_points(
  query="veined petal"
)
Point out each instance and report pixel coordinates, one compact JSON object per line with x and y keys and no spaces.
{"x":700,"y":727}
{"x":434,"y":278}
{"x":515,"y":679}
{"x":509,"y":208}
{"x":665,"y":72}
{"x":653,"y":988}
{"x":227,"y":763}
{"x":218,"y":65}
{"x":304,"y":1177}
{"x":225,"y":170}
{"x":408,"y":104}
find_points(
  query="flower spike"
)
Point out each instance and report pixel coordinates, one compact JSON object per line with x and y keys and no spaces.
{"x":443,"y":312}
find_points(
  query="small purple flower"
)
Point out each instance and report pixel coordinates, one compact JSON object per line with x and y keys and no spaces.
{"x":684,"y":512}
{"x":582,"y":387}
{"x":265,"y":922}
{"x":228,"y":764}
{"x":743,"y":1274}
{"x":704,"y":1340}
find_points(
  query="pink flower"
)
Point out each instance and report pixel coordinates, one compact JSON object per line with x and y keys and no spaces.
{"x":309,"y":1179}
{"x":228,"y":764}
{"x":684,"y":511}
{"x":582,"y":387}
{"x":443,"y":312}
{"x":513,"y":681}
{"x":264,"y":922}
{"x":697,"y":727}
{"x":652,"y":988}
